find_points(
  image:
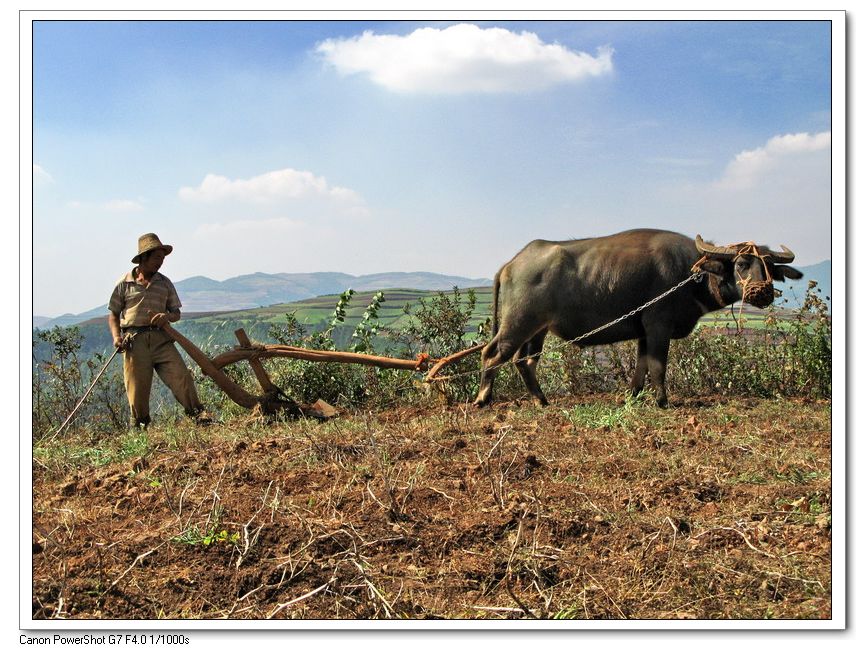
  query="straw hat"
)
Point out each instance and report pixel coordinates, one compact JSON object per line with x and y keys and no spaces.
{"x":149,"y":242}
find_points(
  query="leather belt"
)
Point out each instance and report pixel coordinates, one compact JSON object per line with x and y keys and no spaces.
{"x":142,"y":328}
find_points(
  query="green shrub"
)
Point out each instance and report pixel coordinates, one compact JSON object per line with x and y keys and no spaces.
{"x":439,"y":327}
{"x":340,"y":384}
{"x":60,"y":379}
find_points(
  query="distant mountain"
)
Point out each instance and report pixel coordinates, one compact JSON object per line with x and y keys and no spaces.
{"x":794,"y":290}
{"x":263,"y":289}
{"x":39,"y":321}
{"x":202,"y":294}
{"x":69,"y":319}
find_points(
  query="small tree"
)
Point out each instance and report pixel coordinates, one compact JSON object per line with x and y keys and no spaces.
{"x":60,"y":380}
{"x":440,"y":327}
{"x":57,"y":378}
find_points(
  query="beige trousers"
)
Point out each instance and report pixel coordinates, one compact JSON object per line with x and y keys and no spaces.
{"x":153,"y":350}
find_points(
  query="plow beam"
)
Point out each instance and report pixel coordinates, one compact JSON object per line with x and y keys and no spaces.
{"x":273,"y":399}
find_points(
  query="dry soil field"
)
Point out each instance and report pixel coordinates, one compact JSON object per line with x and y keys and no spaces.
{"x":592,"y":508}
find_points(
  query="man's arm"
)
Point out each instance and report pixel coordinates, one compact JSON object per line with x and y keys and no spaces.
{"x":162,"y":318}
{"x":172,"y":308}
{"x":114,"y":326}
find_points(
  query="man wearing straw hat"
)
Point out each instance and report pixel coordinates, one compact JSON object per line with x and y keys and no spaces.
{"x":142,"y":302}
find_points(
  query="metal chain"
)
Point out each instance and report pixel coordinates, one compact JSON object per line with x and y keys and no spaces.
{"x":697,"y":276}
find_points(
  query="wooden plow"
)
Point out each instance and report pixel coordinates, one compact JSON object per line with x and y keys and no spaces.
{"x":273,"y":400}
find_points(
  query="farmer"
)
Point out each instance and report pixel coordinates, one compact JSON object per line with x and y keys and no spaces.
{"x":143,"y":302}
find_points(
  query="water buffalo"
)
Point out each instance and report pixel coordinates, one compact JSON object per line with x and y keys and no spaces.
{"x":571,"y":287}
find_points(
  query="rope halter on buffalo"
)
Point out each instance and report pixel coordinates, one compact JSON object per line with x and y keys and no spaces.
{"x":759,"y":293}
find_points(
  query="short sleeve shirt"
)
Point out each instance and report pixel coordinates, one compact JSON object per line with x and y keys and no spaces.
{"x":136,"y":304}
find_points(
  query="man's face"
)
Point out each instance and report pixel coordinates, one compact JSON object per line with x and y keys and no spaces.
{"x":152,"y":261}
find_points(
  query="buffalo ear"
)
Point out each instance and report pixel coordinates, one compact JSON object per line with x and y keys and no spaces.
{"x":715,"y":267}
{"x":781,"y":271}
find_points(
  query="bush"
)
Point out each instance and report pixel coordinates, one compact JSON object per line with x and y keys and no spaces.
{"x":340,"y":384}
{"x":783,"y":357}
{"x":60,"y":380}
{"x":439,"y":328}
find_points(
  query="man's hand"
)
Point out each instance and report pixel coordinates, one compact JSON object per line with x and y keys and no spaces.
{"x":159,"y":320}
{"x":121,"y":343}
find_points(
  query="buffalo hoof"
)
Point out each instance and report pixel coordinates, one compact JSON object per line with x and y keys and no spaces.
{"x":662,"y":403}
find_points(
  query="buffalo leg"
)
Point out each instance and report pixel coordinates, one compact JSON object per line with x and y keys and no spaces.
{"x":658,"y":349}
{"x":498,"y":351}
{"x":488,"y":373}
{"x":527,"y":365}
{"x":638,"y":382}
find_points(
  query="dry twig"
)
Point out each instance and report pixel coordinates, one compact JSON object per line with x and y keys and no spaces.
{"x":294,"y":601}
{"x":131,"y":566}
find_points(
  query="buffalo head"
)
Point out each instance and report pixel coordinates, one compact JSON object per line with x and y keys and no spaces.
{"x":746,"y":271}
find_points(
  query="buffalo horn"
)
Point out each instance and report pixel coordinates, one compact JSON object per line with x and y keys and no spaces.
{"x":783,"y":258}
{"x":718,"y":251}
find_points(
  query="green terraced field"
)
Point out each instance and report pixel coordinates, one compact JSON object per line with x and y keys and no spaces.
{"x":313,"y":311}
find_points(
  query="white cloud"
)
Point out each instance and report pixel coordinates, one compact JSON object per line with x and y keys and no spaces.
{"x":274,"y":188}
{"x":285,"y":215}
{"x":463,"y":58}
{"x":749,"y":167}
{"x":777,"y":193}
{"x":40,"y":175}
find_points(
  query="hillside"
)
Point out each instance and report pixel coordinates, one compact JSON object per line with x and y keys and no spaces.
{"x":216,"y":328}
{"x":202,"y":294}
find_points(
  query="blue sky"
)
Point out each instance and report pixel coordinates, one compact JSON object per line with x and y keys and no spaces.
{"x":362,"y":147}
